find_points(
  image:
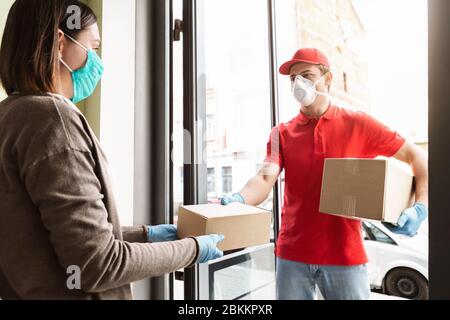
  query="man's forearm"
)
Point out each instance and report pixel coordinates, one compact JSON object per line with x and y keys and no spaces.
{"x":258,"y":188}
{"x":256,"y":191}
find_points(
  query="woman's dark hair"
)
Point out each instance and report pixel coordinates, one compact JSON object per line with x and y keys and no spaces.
{"x":86,"y":15}
{"x":29,"y":53}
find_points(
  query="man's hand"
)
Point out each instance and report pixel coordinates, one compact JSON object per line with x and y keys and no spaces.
{"x":162,"y":233}
{"x":410,"y":220}
{"x":234,"y":198}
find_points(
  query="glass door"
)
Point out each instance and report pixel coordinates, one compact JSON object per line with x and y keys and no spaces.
{"x":228,"y":112}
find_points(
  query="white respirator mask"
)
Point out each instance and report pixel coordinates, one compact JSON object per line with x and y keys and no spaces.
{"x":304,"y":90}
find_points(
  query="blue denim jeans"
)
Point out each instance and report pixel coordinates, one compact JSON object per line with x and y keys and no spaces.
{"x":298,"y":281}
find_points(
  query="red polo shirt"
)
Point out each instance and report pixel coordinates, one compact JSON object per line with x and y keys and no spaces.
{"x":300,"y":148}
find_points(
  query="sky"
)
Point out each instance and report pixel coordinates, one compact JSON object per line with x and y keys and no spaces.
{"x":397,"y":48}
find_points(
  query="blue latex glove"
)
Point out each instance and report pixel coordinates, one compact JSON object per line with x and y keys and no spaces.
{"x":234,"y":198}
{"x":208,"y":247}
{"x":410,"y":220}
{"x":162,"y":233}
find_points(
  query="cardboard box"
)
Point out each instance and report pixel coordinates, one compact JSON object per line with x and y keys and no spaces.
{"x":366,"y":189}
{"x":243,"y":226}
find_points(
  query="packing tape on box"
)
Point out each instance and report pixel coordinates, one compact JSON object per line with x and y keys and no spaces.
{"x":349,"y":205}
{"x":352,"y":167}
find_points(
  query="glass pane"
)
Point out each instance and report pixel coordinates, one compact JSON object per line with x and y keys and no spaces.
{"x":177,"y":137}
{"x":250,"y":277}
{"x":379,"y":66}
{"x":238,"y":120}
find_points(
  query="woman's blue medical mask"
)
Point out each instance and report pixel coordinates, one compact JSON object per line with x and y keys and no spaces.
{"x":85,"y":79}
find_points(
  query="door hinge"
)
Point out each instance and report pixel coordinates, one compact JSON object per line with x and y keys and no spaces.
{"x":179,"y":275}
{"x":178,"y":29}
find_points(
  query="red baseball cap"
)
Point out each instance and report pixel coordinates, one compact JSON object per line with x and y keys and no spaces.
{"x":308,"y":55}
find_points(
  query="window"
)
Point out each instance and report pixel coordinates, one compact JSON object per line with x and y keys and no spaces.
{"x":211,"y":180}
{"x":227,"y":180}
{"x":365,"y":235}
{"x":344,"y":75}
{"x":377,"y":235}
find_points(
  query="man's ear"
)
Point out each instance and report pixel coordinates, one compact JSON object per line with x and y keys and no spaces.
{"x":329,"y":79}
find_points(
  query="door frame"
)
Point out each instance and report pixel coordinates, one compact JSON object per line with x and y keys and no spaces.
{"x":439,"y":155}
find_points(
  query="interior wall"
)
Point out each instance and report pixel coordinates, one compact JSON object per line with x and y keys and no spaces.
{"x":91,"y":106}
{"x":5,"y":5}
{"x":110,"y":111}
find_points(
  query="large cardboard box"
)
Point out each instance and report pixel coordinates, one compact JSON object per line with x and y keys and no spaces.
{"x":366,"y":189}
{"x":243,"y":226}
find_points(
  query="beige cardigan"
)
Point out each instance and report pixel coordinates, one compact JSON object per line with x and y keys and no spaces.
{"x":57,"y":210}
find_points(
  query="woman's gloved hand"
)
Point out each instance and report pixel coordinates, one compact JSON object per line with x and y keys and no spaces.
{"x":208,"y":247}
{"x":234,"y":198}
{"x":410,"y":220}
{"x":162,"y":233}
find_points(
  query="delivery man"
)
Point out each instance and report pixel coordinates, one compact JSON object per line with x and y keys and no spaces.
{"x":313,"y":248}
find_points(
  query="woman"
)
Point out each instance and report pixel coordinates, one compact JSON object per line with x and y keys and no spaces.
{"x":57,"y":211}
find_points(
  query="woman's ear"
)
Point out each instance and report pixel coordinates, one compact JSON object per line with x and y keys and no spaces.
{"x":61,"y":39}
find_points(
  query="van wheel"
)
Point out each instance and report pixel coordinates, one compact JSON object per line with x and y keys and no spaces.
{"x":406,"y":283}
